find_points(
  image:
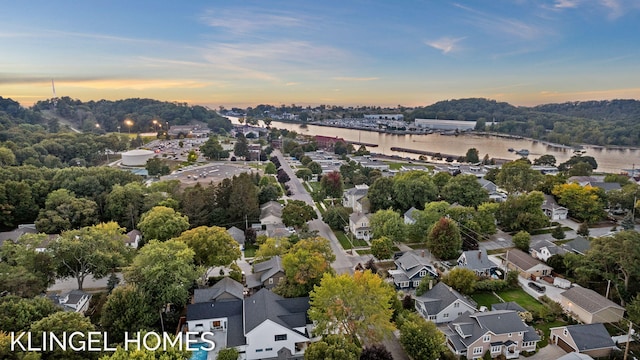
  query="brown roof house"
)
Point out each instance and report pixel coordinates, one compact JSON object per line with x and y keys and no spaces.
{"x":591,"y":339}
{"x":526,"y":265}
{"x":590,"y":307}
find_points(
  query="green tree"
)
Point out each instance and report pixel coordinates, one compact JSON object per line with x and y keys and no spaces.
{"x":465,"y":190}
{"x":357,"y":305}
{"x":558,"y":232}
{"x":197,"y":203}
{"x":585,"y":203}
{"x":425,"y":284}
{"x":228,"y":354}
{"x":421,"y":339}
{"x":522,"y":240}
{"x":522,"y":212}
{"x":162,"y":223}
{"x":270,"y":168}
{"x":633,"y":309}
{"x":126,"y":308}
{"x":7,"y":157}
{"x":171,"y":353}
{"x":243,"y":200}
{"x":124,"y":204}
{"x":337,"y":217}
{"x":413,"y":189}
{"x":271,"y":247}
{"x":627,"y":222}
{"x":165,"y":272}
{"x":157,"y":166}
{"x":335,"y":347}
{"x":95,"y":250}
{"x":444,"y":240}
{"x":472,"y":156}
{"x":461,"y":279}
{"x":17,"y":314}
{"x":212,"y":246}
{"x":376,"y":352}
{"x":382,"y":248}
{"x":304,"y":266}
{"x":380,"y":194}
{"x":212,"y":149}
{"x":241,"y":148}
{"x":304,"y":174}
{"x":315,"y":167}
{"x":58,"y":323}
{"x":64,"y":211}
{"x":388,"y":223}
{"x":192,"y":156}
{"x":545,"y":160}
{"x":297,"y":213}
{"x":517,"y":176}
{"x":25,"y":271}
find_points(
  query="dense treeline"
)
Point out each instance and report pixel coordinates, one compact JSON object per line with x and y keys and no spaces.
{"x":592,"y":122}
{"x":110,"y":115}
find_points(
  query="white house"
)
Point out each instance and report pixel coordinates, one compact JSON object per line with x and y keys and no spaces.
{"x":553,"y":210}
{"x":360,"y":226}
{"x":351,"y":196}
{"x":134,"y":237}
{"x":544,"y":249}
{"x":74,"y":300}
{"x":409,"y":218}
{"x":443,"y":304}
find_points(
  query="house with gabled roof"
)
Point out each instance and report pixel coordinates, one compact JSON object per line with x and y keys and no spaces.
{"x":134,"y":238}
{"x":410,"y":270}
{"x":509,"y":305}
{"x":554,"y":211}
{"x":351,"y":196}
{"x":580,"y":245}
{"x":591,"y":339}
{"x":360,"y":225}
{"x":590,"y":307}
{"x":74,"y":301}
{"x":271,"y":213}
{"x":224,"y":290}
{"x":442,"y":304}
{"x":266,"y":274}
{"x":544,"y":249}
{"x":478,"y":261}
{"x":500,"y":332}
{"x":409,"y":218}
{"x":527,"y":266}
{"x":237,"y":235}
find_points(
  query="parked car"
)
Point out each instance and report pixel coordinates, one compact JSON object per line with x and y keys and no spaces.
{"x":536,"y":287}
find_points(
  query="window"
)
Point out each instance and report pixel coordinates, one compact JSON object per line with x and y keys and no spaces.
{"x":456,"y":304}
{"x":565,"y":332}
{"x":281,"y":337}
{"x":416,"y":283}
{"x":445,"y":315}
{"x":270,"y":281}
{"x":510,"y":334}
{"x":520,"y":333}
{"x":459,"y":313}
{"x":495,"y":349}
{"x":258,"y":350}
{"x":477,"y":350}
{"x":268,"y":349}
{"x":423,"y":273}
{"x":432,"y":317}
{"x":486,"y":338}
{"x":281,"y":279}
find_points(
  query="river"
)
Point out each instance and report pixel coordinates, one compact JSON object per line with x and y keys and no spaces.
{"x":610,"y":160}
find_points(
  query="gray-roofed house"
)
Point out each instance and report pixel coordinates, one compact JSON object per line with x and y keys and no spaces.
{"x":442,"y":304}
{"x":509,"y":305}
{"x":410,"y":269}
{"x":271,"y":213}
{"x":492,"y":189}
{"x":275,"y":326}
{"x":351,"y":196}
{"x":237,"y":235}
{"x":360,"y":226}
{"x":74,"y":300}
{"x":526,"y":265}
{"x":544,"y":249}
{"x":408,"y":216}
{"x":591,"y":339}
{"x":224,"y":290}
{"x":575,"y":356}
{"x":500,"y":332}
{"x":266,"y":274}
{"x":15,"y":234}
{"x":579,"y":245}
{"x":478,"y":261}
{"x":589,"y":306}
{"x":134,"y":237}
{"x":554,"y":211}
{"x":606,"y":186}
{"x":223,"y":319}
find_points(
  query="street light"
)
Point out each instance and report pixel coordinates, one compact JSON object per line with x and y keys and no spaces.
{"x":129,"y":123}
{"x":155,"y":125}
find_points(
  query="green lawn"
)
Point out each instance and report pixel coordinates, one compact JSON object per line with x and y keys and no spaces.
{"x":485,"y":299}
{"x":522,"y":298}
{"x":544,"y":327}
{"x":314,"y":185}
{"x":363,"y":251}
{"x":250,"y":251}
{"x":346,"y":243}
{"x":396,"y":165}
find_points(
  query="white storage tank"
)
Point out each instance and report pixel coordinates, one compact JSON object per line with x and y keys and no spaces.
{"x":136,"y":157}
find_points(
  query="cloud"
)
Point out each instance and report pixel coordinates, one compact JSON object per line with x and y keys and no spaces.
{"x":291,"y":83}
{"x":348,"y":78}
{"x":244,"y":21}
{"x":497,"y":25}
{"x":445,"y":44}
{"x":566,"y":4}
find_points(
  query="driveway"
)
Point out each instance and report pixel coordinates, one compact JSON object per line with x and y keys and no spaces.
{"x":547,"y":353}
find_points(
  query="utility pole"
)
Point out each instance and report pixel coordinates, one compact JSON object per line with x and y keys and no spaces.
{"x":608,"y":287}
{"x":626,"y":349}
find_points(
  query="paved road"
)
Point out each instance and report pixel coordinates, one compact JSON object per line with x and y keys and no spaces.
{"x":90,"y":283}
{"x":344,"y":262}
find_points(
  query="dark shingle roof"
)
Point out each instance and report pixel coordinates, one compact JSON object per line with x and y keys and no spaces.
{"x":225,"y":286}
{"x":237,"y":235}
{"x":232,"y":310}
{"x":590,"y":336}
{"x":523,"y":260}
{"x":579,"y":245}
{"x":508,"y":306}
{"x":441,"y":296}
{"x":290,"y":313}
{"x":474,"y":326}
{"x":588,"y":299}
{"x":476,"y":260}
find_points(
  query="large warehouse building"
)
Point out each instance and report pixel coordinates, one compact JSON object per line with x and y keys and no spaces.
{"x":136,"y":157}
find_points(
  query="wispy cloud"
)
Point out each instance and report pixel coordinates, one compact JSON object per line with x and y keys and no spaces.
{"x":497,"y":25}
{"x":445,"y":44}
{"x":349,"y":78}
{"x":566,"y":4}
{"x":244,"y":21}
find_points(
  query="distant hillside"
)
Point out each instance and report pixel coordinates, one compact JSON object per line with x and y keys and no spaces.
{"x":110,"y":115}
{"x":605,"y":123}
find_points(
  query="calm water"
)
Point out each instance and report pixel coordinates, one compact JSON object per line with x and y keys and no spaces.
{"x":609,"y":160}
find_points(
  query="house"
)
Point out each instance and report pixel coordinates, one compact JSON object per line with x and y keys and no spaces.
{"x":224,"y":290}
{"x":271,"y":213}
{"x":527,"y":266}
{"x":590,"y":339}
{"x":224,"y":319}
{"x":266,"y":274}
{"x":590,"y":307}
{"x":360,"y":226}
{"x":478,"y":261}
{"x":492,"y":189}
{"x":575,"y":356}
{"x":327,"y":142}
{"x":237,"y":235}
{"x":510,"y":305}
{"x":606,"y":186}
{"x":579,"y":245}
{"x":351,"y":196}
{"x":134,"y":237}
{"x":443,"y":304}
{"x":410,"y":269}
{"x":74,"y":300}
{"x":275,"y":326}
{"x":554,"y":211}
{"x":501,"y":332}
{"x":544,"y":249}
{"x":15,"y":234}
{"x":409,"y":218}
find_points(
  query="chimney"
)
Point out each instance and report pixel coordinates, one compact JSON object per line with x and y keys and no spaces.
{"x":479,"y":254}
{"x":422,"y":253}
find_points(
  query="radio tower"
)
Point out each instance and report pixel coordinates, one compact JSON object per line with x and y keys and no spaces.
{"x":54,"y":101}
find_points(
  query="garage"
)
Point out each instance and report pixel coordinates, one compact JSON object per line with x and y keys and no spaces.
{"x":563,"y":344}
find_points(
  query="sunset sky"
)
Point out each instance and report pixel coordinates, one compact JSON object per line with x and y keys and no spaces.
{"x":244,"y":53}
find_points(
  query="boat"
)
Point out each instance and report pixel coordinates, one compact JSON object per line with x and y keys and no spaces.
{"x":523,"y":152}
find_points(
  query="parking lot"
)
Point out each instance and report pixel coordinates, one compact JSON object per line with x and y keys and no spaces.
{"x":209,"y":173}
